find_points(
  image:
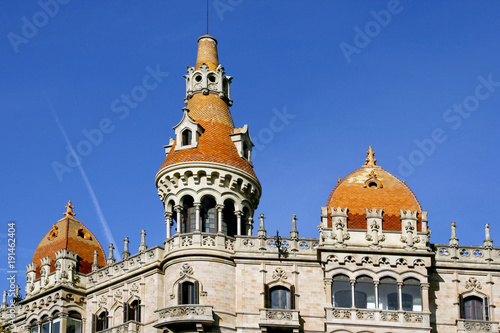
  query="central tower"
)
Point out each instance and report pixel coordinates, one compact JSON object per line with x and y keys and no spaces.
{"x":207,"y":182}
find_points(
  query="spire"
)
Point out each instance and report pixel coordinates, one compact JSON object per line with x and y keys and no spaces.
{"x":294,"y":233}
{"x":143,"y":247}
{"x":207,"y":52}
{"x":453,"y":239}
{"x":111,"y":258}
{"x":126,"y":252}
{"x":95,"y":264}
{"x":370,"y":161}
{"x":69,"y":210}
{"x":488,"y":242}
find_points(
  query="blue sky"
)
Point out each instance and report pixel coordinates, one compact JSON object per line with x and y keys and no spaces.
{"x":418,"y":81}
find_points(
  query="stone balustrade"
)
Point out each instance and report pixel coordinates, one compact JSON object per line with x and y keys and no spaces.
{"x":468,"y":326}
{"x":189,"y":313}
{"x":128,"y":327}
{"x":279,"y":318}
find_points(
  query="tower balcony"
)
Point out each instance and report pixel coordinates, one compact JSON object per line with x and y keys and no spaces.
{"x":185,"y":317}
{"x":410,"y":321}
{"x":279,"y":318}
{"x":129,"y":326}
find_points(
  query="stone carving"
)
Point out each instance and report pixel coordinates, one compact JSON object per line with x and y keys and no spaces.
{"x":186,"y":269}
{"x":418,"y":263}
{"x":349,"y":260}
{"x":103,"y":300}
{"x":134,"y":289}
{"x":279,"y":274}
{"x":118,"y":295}
{"x":477,"y":326}
{"x":187,"y":241}
{"x":248,"y":243}
{"x":472,"y":284}
{"x":367,"y":261}
{"x":341,"y":314}
{"x":384,"y":261}
{"x":332,"y":258}
{"x":401,"y":262}
{"x":413,"y":317}
{"x":365,"y":315}
{"x":208,"y":241}
{"x":229,"y":244}
{"x":182,"y":311}
{"x":389,"y":316}
{"x":278,"y":315}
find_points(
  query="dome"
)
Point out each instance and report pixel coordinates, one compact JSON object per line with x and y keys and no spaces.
{"x":70,"y":234}
{"x":373,"y":187}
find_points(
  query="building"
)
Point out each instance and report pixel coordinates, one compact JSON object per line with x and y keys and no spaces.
{"x":371,"y":269}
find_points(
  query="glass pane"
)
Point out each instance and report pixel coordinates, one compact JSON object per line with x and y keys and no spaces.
{"x":412,"y":298}
{"x":275,"y":300}
{"x":74,"y":326}
{"x":388,"y":294}
{"x":46,"y":328}
{"x":473,"y":308}
{"x":56,"y":325}
{"x":34,"y":329}
{"x":342,"y":298}
{"x":365,"y":293}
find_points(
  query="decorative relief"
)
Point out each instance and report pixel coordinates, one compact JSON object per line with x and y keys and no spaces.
{"x":472,"y":284}
{"x":208,"y":241}
{"x":389,"y":316}
{"x":349,"y":260}
{"x":477,"y":326}
{"x":401,"y":262}
{"x":183,"y":311}
{"x":118,"y":295}
{"x":103,"y":300}
{"x":279,"y":274}
{"x":54,"y":231}
{"x":341,"y":314}
{"x":413,"y":317}
{"x":365,"y":314}
{"x":278,"y":315}
{"x":186,"y":269}
{"x":134,"y":289}
{"x":229,"y":244}
{"x":418,"y":263}
{"x":332,"y":258}
{"x":187,"y":241}
{"x":384,"y":261}
{"x":367,"y":261}
{"x":248,"y":243}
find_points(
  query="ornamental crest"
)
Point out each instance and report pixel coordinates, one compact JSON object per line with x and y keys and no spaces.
{"x":103,"y":300}
{"x":279,"y":274}
{"x":134,"y":288}
{"x":118,"y":295}
{"x":186,"y":270}
{"x":472,"y":284}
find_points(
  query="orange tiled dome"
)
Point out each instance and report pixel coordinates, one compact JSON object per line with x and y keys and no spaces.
{"x":69,"y":233}
{"x":373,"y":187}
{"x":212,"y":113}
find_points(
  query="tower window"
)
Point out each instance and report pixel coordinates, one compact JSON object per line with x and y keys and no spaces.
{"x":341,"y":291}
{"x":246,"y":151}
{"x":279,"y":298}
{"x":475,"y":308}
{"x":188,"y":292}
{"x":187,"y":137}
{"x":102,"y":321}
{"x":132,"y":311}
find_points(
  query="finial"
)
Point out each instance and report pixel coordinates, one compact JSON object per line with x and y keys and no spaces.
{"x":125,"y":253}
{"x":143,"y":247}
{"x":262,"y":230}
{"x":69,"y":210}
{"x":111,"y":258}
{"x":488,"y":242}
{"x":294,"y":233}
{"x":370,"y":161}
{"x":339,"y":180}
{"x":454,"y":239}
{"x":95,"y":265}
{"x":4,"y":300}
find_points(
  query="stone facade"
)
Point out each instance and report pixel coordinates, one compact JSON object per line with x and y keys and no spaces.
{"x":371,"y":269}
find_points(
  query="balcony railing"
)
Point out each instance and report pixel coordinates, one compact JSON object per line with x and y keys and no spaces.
{"x":190,"y":313}
{"x":129,"y":326}
{"x":279,"y":318}
{"x":464,"y":325}
{"x":387,"y":317}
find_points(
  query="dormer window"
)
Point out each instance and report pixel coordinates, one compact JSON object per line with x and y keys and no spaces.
{"x":186,"y":137}
{"x":187,"y":132}
{"x":246,"y":152}
{"x":243,"y":143}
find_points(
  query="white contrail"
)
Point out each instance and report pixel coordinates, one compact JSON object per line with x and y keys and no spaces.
{"x":104,"y":224}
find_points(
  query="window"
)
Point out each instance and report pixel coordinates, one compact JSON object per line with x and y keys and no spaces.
{"x":188,"y":292}
{"x":388,"y":294}
{"x":246,"y":151}
{"x":364,"y":293}
{"x":186,"y":137}
{"x":132,"y":311}
{"x":475,"y":308}
{"x":341,"y":292}
{"x":412,"y":297}
{"x":74,"y":323}
{"x":34,"y":327}
{"x":279,"y":298}
{"x":208,"y":215}
{"x":101,"y":322}
{"x":188,"y":215}
{"x":56,"y":325}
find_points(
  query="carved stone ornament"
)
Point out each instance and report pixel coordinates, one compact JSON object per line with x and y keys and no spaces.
{"x":279,"y":274}
{"x":103,"y":300}
{"x":186,"y":269}
{"x":118,"y":295}
{"x":134,"y":288}
{"x":53,"y":232}
{"x":472,"y":284}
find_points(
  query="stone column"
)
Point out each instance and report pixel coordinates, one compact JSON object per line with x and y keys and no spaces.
{"x":219,"y":217}
{"x":424,"y":287}
{"x":353,"y":298}
{"x":197,"y":207}
{"x":168,"y":223}
{"x":400,"y":296}
{"x":178,"y":210}
{"x":376,"y":283}
{"x":328,"y":291}
{"x":238,"y":214}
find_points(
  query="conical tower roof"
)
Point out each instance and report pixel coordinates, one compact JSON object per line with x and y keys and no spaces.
{"x":211,"y":112}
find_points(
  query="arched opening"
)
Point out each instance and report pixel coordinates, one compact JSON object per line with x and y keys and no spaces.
{"x":229,"y":220}
{"x":208,"y":215}
{"x":101,"y":322}
{"x":188,"y":215}
{"x":474,"y":308}
{"x":188,"y":292}
{"x":341,"y":291}
{"x":388,"y":294}
{"x":132,"y":311}
{"x":245,"y":225}
{"x":45,"y":326}
{"x":33,"y":327}
{"x":187,"y":137}
{"x":364,"y":293}
{"x":280,"y":298}
{"x":56,"y":322}
{"x":412,"y":296}
{"x":74,"y":323}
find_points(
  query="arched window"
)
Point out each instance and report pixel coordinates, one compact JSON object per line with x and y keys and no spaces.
{"x":475,"y":308}
{"x":341,"y":291}
{"x":187,"y":137}
{"x":56,"y":322}
{"x":188,"y":292}
{"x":101,"y":321}
{"x":279,"y":298}
{"x":246,"y":151}
{"x":132,"y":311}
{"x":74,"y":322}
{"x":188,"y":215}
{"x":208,"y":215}
{"x":229,"y":220}
{"x":388,"y":294}
{"x":364,"y":293}
{"x":412,"y":296}
{"x":34,"y":327}
{"x":45,"y":326}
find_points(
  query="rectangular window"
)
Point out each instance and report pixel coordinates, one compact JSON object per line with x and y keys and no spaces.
{"x":46,"y":327}
{"x":56,"y":325}
{"x":74,"y":326}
